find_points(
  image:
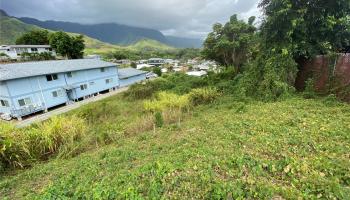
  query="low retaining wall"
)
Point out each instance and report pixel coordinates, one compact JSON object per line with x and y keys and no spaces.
{"x":326,"y":72}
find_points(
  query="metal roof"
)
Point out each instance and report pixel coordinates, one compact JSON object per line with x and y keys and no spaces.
{"x":24,"y":46}
{"x":124,"y":73}
{"x":29,"y":69}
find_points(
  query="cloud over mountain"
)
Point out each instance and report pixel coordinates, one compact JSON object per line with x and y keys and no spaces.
{"x":189,"y":18}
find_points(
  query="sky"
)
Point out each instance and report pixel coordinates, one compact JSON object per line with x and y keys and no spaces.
{"x":184,"y":18}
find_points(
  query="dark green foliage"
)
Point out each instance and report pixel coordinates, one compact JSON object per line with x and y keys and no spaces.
{"x":178,"y":83}
{"x":188,"y":53}
{"x":306,"y":28}
{"x":37,"y":56}
{"x":230,"y":44}
{"x":309,"y":91}
{"x":119,"y":55}
{"x":34,"y":37}
{"x":71,"y":47}
{"x":205,"y":95}
{"x":159,"y":122}
{"x":133,"y":64}
{"x":157,"y":70}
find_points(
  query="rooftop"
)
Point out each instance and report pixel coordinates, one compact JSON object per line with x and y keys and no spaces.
{"x":129,"y":72}
{"x":29,"y":69}
{"x":24,"y":46}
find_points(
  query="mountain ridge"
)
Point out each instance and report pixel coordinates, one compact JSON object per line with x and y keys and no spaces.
{"x":114,"y":33}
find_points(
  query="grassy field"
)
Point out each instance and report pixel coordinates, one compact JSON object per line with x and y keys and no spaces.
{"x":230,"y":149}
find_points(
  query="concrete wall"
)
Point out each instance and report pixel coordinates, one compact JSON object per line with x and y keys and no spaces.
{"x":325,"y":73}
{"x":132,"y":80}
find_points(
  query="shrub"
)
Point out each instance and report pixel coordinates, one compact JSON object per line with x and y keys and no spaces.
{"x":158,"y":119}
{"x":309,"y":91}
{"x":144,"y":91}
{"x":157,"y":70}
{"x":59,"y":135}
{"x":166,"y":101}
{"x":203,"y":95}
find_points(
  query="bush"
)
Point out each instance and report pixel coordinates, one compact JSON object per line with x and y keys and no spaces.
{"x":158,"y":119}
{"x":157,"y":71}
{"x":167,"y":101}
{"x":144,"y":91}
{"x":21,"y":147}
{"x":203,"y":95}
{"x":309,"y":91}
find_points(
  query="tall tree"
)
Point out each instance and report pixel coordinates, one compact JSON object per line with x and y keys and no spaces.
{"x":71,"y":47}
{"x":34,"y":37}
{"x":229,"y":44}
{"x":306,"y":28}
{"x":293,"y":30}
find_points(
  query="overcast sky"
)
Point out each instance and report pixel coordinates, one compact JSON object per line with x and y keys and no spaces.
{"x":186,"y":18}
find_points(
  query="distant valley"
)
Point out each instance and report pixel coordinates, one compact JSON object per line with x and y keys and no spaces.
{"x":115,"y":33}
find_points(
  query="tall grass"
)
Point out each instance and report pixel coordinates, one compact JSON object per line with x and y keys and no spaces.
{"x":57,"y":136}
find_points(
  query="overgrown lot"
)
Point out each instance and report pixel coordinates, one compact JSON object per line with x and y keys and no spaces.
{"x":226,"y":148}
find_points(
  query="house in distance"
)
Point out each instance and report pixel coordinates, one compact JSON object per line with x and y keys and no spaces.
{"x":30,"y":87}
{"x":15,"y":51}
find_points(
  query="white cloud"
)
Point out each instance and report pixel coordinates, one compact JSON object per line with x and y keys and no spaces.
{"x":191,"y":18}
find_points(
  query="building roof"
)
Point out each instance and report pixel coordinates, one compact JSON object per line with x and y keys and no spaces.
{"x":24,"y":46}
{"x":124,"y":73}
{"x":29,"y":69}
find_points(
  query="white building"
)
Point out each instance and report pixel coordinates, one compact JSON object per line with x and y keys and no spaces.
{"x":15,"y":51}
{"x":197,"y":73}
{"x":141,"y":66}
{"x":93,"y":56}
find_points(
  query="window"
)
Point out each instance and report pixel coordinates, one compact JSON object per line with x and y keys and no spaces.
{"x":4,"y":103}
{"x":58,"y":93}
{"x":109,"y":80}
{"x":102,"y":69}
{"x":83,"y":87}
{"x":69,"y":74}
{"x":54,"y":94}
{"x":34,"y":49}
{"x":25,"y":101}
{"x":51,"y":77}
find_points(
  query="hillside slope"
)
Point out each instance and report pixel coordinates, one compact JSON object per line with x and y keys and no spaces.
{"x":108,"y":32}
{"x":292,"y":149}
{"x":11,"y":28}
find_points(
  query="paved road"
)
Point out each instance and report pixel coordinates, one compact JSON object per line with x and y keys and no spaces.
{"x":45,"y":116}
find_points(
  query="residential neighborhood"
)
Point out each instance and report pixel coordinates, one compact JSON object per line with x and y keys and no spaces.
{"x":179,"y":99}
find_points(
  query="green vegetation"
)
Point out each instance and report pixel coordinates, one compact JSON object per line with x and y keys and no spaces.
{"x":11,"y":28}
{"x":64,"y":44}
{"x":34,"y":37}
{"x":230,"y":44}
{"x":68,"y":46}
{"x":227,"y":148}
{"x":291,"y":31}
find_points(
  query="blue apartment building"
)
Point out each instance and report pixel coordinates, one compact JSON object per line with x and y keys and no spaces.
{"x":26,"y":88}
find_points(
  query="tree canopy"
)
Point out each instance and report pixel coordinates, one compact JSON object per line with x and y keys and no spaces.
{"x":34,"y":37}
{"x":290,"y":31}
{"x":71,"y":47}
{"x":229,"y":44}
{"x":306,"y":28}
{"x":68,"y":46}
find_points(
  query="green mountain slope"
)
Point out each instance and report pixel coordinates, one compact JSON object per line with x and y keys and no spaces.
{"x":11,"y":28}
